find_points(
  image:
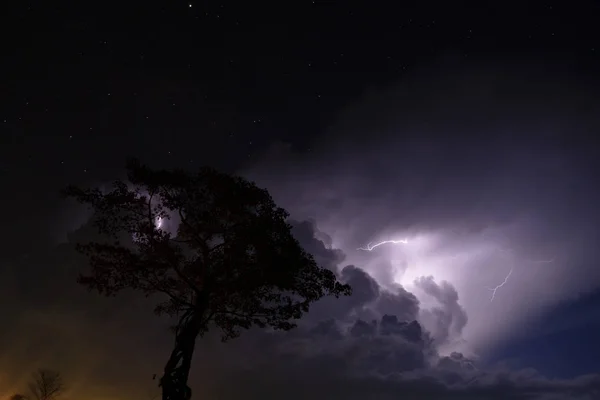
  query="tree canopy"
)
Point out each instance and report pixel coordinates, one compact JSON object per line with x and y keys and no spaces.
{"x":216,"y":246}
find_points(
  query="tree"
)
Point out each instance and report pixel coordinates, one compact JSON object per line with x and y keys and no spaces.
{"x":231,"y":263}
{"x":46,"y":385}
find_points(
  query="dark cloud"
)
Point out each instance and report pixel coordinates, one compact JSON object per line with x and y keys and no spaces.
{"x":386,"y":359}
{"x":317,"y":243}
{"x":364,"y":288}
{"x":397,"y":301}
{"x":446,"y":321}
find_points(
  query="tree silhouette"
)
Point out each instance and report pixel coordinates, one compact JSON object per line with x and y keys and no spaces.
{"x":46,"y":385}
{"x":230,"y":263}
{"x":18,"y":396}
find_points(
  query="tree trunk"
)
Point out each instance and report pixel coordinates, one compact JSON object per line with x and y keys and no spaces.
{"x":177,"y":370}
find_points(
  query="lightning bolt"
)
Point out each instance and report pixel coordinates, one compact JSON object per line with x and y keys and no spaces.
{"x":371,"y":246}
{"x":532,"y":261}
{"x":494,"y":290}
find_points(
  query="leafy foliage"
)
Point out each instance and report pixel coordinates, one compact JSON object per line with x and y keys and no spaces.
{"x":230,"y":260}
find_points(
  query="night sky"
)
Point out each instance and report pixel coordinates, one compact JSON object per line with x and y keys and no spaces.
{"x":470,"y":129}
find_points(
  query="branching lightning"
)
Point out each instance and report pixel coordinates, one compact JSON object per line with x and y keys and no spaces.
{"x":371,"y":246}
{"x":494,"y":290}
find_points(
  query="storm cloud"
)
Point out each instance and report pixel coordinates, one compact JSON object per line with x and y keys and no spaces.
{"x":482,"y":170}
{"x":385,"y":357}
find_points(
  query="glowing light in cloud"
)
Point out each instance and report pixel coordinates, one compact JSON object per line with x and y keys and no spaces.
{"x":475,"y":265}
{"x":414,"y":257}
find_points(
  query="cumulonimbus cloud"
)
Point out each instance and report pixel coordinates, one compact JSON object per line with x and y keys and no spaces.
{"x":484,"y":174}
{"x":484,"y":170}
{"x":384,"y":357}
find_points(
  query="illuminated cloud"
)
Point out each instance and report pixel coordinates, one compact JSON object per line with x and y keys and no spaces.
{"x":470,"y":170}
{"x":467,"y":181}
